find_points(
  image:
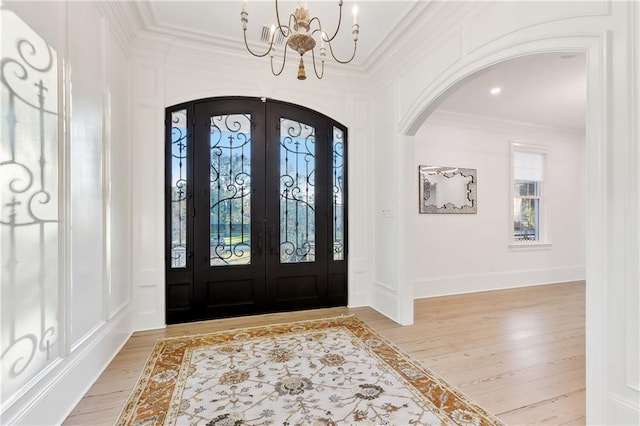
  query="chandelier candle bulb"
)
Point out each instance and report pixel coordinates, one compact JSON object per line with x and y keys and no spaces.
{"x":244,"y":6}
{"x":244,"y":18}
{"x":355,"y":15}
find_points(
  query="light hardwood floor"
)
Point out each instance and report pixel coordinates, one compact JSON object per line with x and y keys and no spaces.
{"x":519,"y":353}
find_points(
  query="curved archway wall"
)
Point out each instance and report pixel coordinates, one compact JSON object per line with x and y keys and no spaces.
{"x":478,"y":37}
{"x":469,"y":253}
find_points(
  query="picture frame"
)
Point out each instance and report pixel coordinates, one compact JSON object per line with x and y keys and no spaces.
{"x":447,"y":190}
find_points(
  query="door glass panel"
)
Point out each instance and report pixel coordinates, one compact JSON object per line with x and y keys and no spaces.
{"x":179,"y":189}
{"x":297,"y":192}
{"x":338,"y":194}
{"x":230,"y":189}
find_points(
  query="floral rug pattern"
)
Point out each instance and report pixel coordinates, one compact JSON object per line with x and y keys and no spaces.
{"x":333,"y":371}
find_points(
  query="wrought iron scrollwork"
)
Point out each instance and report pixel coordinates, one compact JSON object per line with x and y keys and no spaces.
{"x":230,"y":189}
{"x":338,"y":193}
{"x":179,"y":189}
{"x":297,"y":192}
{"x":29,"y":219}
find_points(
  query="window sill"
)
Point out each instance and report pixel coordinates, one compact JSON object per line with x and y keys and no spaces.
{"x":537,"y":245}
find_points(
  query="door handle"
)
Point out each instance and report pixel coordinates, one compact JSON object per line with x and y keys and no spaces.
{"x":260,"y":241}
{"x":271,"y":241}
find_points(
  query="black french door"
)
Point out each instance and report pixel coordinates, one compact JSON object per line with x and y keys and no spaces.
{"x":255,"y":207}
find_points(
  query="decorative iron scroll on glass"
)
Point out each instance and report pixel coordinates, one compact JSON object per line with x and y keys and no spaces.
{"x":29,"y":202}
{"x":447,"y":189}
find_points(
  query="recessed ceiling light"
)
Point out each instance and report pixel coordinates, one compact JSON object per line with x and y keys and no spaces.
{"x":495,"y":90}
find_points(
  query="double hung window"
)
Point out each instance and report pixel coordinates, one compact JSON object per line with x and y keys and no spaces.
{"x":528,"y":186}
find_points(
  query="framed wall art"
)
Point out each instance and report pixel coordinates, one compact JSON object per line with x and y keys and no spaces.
{"x":447,"y":189}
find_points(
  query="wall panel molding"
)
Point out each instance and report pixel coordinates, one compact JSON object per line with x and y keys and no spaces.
{"x":483,"y":29}
{"x":429,"y":69}
{"x":124,"y":21}
{"x":632,"y":300}
{"x":147,"y":156}
{"x":385,"y":299}
{"x":84,"y":114}
{"x":623,"y":411}
{"x":59,"y":391}
{"x":433,"y":24}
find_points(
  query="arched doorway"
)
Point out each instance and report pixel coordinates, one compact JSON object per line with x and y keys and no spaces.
{"x":597,"y":143}
{"x":255,"y":209}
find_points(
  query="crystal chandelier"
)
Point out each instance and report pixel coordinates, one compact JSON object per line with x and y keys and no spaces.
{"x":300,"y":34}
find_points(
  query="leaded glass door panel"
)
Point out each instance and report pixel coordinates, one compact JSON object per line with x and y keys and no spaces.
{"x":297,"y":207}
{"x":255,"y":209}
{"x":229,"y":208}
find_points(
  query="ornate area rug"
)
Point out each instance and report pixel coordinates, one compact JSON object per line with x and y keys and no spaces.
{"x":333,"y":371}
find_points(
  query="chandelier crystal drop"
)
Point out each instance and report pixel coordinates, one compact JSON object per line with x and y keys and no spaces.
{"x":302,"y":34}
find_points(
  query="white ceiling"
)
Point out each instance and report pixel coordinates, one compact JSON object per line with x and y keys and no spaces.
{"x":220,"y":20}
{"x":545,"y":89}
{"x":542,"y":89}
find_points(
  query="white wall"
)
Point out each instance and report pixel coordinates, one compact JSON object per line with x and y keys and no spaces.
{"x":470,"y":252}
{"x":385,"y":186}
{"x":84,"y":306}
{"x":117,"y":175}
{"x":86,"y":69}
{"x":454,"y":40}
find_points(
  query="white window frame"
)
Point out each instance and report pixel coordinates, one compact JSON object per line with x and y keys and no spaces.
{"x":543,"y":242}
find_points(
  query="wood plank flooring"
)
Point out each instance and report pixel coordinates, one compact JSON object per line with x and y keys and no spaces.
{"x":519,"y":353}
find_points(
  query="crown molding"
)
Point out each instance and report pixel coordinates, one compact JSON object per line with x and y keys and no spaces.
{"x":199,"y":56}
{"x":397,"y":33}
{"x":149,"y":45}
{"x":491,"y":123}
{"x":174,"y":47}
{"x":161,"y":40}
{"x":231,"y":44}
{"x":124,"y":20}
{"x":146,"y":14}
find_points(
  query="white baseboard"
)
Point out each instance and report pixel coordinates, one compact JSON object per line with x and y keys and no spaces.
{"x":472,"y":283}
{"x":358,"y":301}
{"x":148,"y":321}
{"x":384,"y":299}
{"x":622,"y":411}
{"x":56,"y":394}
